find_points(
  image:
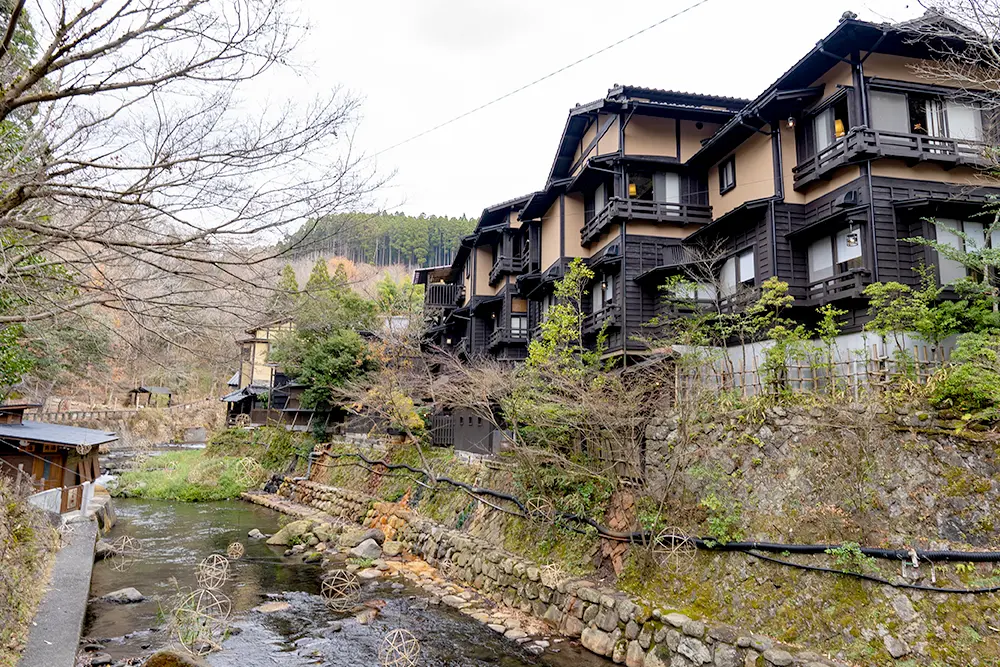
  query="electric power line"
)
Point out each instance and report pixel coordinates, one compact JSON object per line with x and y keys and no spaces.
{"x":540,"y":79}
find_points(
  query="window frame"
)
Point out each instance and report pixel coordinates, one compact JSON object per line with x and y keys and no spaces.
{"x":740,"y":281}
{"x":836,"y":261}
{"x":969,"y":273}
{"x":728,"y":162}
{"x":942,"y":95}
{"x":603,"y":285}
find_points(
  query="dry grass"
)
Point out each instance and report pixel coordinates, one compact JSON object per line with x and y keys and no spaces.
{"x":27,"y":544}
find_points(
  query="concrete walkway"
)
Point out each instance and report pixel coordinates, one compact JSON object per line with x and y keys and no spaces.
{"x":55,"y":635}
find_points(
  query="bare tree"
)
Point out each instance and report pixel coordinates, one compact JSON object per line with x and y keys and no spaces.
{"x":139,"y":177}
{"x":962,"y":35}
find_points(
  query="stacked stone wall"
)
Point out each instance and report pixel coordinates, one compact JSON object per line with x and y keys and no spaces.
{"x":605,"y":621}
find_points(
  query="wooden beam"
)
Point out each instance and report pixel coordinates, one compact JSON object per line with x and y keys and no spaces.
{"x":600,"y":135}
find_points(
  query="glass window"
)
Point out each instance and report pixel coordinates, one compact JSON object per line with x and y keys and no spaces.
{"x":889,"y":111}
{"x":640,"y":186}
{"x":849,"y":249}
{"x":965,"y":121}
{"x":600,"y":198}
{"x":518,"y":325}
{"x":746,"y":266}
{"x":949,"y":269}
{"x":728,"y":276}
{"x":830,"y":124}
{"x":667,"y":187}
{"x":727,"y":175}
{"x":926,"y":115}
{"x":603,"y":293}
{"x":820,"y":259}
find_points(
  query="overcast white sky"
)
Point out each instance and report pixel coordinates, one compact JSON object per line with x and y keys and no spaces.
{"x":418,"y":63}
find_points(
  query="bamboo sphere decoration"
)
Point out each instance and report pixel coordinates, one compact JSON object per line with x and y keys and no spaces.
{"x":672,"y":549}
{"x":249,"y":472}
{"x":235,"y":551}
{"x":539,"y":508}
{"x":399,"y":648}
{"x":213,"y":572}
{"x":120,"y":562}
{"x":341,"y":590}
{"x":126,"y":544}
{"x":199,"y":621}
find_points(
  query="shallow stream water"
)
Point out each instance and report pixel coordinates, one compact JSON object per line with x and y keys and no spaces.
{"x":174,"y":537}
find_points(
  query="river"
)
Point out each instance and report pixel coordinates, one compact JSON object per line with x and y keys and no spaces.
{"x":174,"y":537}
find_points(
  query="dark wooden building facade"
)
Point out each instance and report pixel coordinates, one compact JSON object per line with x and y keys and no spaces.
{"x":819,"y":181}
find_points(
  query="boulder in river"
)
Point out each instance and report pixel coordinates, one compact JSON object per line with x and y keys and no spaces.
{"x":368,"y":549}
{"x":392,"y":548}
{"x":171,"y":659}
{"x":255,"y":534}
{"x":353,"y":538}
{"x":124,"y":596}
{"x":292,"y":533}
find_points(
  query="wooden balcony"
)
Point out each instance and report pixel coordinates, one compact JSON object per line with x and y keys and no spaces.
{"x":651,"y":211}
{"x":843,"y":286}
{"x":863,"y":143}
{"x":441,"y":295}
{"x":505,"y":265}
{"x":611,"y":315}
{"x":505,"y":336}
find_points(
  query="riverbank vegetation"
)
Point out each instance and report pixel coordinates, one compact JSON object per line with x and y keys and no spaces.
{"x":27,"y":544}
{"x":188,"y":476}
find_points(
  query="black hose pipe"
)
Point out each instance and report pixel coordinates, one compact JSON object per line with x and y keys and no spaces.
{"x":646,"y":537}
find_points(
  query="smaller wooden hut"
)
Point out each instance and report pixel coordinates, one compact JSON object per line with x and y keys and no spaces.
{"x":51,"y":456}
{"x":150,"y":397}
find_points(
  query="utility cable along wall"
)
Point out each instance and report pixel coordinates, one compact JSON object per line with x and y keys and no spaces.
{"x":581,"y":523}
{"x":605,"y":621}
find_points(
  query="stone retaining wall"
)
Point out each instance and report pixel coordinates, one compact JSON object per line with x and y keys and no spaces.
{"x":606,"y":621}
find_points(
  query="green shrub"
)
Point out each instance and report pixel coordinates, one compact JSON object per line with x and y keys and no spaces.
{"x":972,"y":384}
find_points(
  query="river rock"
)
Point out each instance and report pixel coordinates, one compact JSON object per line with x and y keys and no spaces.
{"x":353,"y":538}
{"x":325,"y":532}
{"x":171,"y":659}
{"x":368,"y":549}
{"x":99,"y":659}
{"x":104,"y":549}
{"x":255,"y":534}
{"x":392,"y":548}
{"x":292,"y":533}
{"x":124,"y":596}
{"x":271,"y":607}
{"x":597,"y":641}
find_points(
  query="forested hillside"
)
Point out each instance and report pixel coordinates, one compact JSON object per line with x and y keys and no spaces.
{"x":382,"y":238}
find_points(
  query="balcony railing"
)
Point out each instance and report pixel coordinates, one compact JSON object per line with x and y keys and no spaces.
{"x":609,"y":314}
{"x":505,"y":336}
{"x":637,"y":209}
{"x":504,"y":265}
{"x":864,"y":143}
{"x":443,"y":296}
{"x":839,"y":287}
